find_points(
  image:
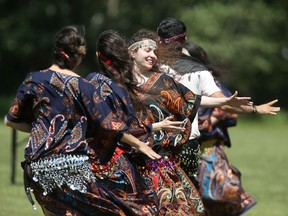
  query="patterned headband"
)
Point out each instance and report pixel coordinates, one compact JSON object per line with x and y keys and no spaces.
{"x":143,"y":43}
{"x":179,"y":37}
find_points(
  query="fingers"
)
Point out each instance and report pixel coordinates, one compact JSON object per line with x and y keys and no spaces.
{"x":268,"y":108}
{"x":272,"y":102}
{"x":155,"y":155}
{"x":239,"y":98}
{"x":274,"y":111}
{"x":151,"y":153}
{"x":147,"y":150}
{"x":172,"y":122}
{"x":175,"y":128}
{"x":234,"y":95}
{"x":169,"y":117}
{"x":178,"y":128}
{"x":244,"y":101}
{"x":243,"y":98}
{"x":176,"y":122}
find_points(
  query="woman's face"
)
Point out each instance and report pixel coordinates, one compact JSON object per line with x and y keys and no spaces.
{"x":144,"y":58}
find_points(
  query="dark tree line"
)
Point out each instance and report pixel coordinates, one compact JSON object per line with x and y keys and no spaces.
{"x":249,"y":38}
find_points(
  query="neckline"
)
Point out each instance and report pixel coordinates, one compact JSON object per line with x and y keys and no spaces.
{"x":56,"y":69}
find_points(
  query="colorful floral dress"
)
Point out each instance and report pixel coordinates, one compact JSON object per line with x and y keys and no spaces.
{"x":176,"y":193}
{"x":220,"y":182}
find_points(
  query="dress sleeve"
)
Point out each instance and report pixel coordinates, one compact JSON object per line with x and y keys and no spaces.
{"x":112,"y":115}
{"x":21,"y":108}
{"x":119,"y":101}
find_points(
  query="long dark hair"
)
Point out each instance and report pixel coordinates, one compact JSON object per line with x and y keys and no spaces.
{"x":69,"y":47}
{"x":115,"y":63}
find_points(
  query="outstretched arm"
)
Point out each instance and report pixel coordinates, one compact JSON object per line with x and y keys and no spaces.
{"x":233,"y":101}
{"x":266,"y":108}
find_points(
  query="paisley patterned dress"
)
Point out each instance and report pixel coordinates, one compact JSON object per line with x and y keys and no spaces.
{"x":219,"y":181}
{"x":176,"y":193}
{"x":64,"y":111}
{"x":119,"y":174}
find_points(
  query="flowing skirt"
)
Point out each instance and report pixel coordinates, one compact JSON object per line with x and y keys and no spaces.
{"x":122,"y":179}
{"x":220,"y":184}
{"x":97,"y":200}
{"x":176,"y":193}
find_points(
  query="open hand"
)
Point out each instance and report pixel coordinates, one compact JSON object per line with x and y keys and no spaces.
{"x":235,"y":101}
{"x":147,"y":150}
{"x":268,"y":108}
{"x":169,"y":125}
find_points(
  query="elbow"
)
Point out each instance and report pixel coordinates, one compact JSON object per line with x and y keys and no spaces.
{"x":7,"y":122}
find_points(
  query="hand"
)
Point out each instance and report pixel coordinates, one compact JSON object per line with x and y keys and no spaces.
{"x":169,"y":125}
{"x":147,"y":150}
{"x":238,"y":101}
{"x":139,"y":146}
{"x":268,"y":108}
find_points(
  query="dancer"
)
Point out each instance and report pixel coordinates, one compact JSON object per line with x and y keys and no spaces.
{"x":119,"y":86}
{"x":61,"y":111}
{"x":226,"y":195}
{"x":194,"y":75}
{"x":164,"y":96}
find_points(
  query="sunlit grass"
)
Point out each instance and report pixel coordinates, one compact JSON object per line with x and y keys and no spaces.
{"x":259,"y":151}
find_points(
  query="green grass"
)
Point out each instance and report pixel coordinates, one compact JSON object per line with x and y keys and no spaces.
{"x":259,"y":150}
{"x":13,"y":200}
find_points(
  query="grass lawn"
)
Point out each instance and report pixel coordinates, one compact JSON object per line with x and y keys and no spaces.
{"x":259,"y":150}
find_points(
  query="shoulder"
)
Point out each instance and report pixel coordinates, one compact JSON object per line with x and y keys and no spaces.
{"x":91,"y":75}
{"x":207,"y":75}
{"x":97,"y":79}
{"x":187,"y":64}
{"x":37,"y":78}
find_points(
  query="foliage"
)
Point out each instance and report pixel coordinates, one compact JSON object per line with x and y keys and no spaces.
{"x":247,"y":37}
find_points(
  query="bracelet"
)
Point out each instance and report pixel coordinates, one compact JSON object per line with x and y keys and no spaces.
{"x":254,"y":109}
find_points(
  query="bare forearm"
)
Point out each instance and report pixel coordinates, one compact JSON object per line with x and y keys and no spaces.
{"x":239,"y":110}
{"x":266,"y":108}
{"x":139,"y":146}
{"x":209,"y":102}
{"x":131,"y":140}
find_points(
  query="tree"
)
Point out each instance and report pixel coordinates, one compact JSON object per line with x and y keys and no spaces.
{"x":248,"y":38}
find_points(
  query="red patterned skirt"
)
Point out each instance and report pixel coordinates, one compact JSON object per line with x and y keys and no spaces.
{"x":176,"y":193}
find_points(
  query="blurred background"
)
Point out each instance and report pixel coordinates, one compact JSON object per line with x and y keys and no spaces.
{"x":248,"y":39}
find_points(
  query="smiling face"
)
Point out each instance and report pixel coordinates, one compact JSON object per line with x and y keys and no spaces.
{"x":143,"y":54}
